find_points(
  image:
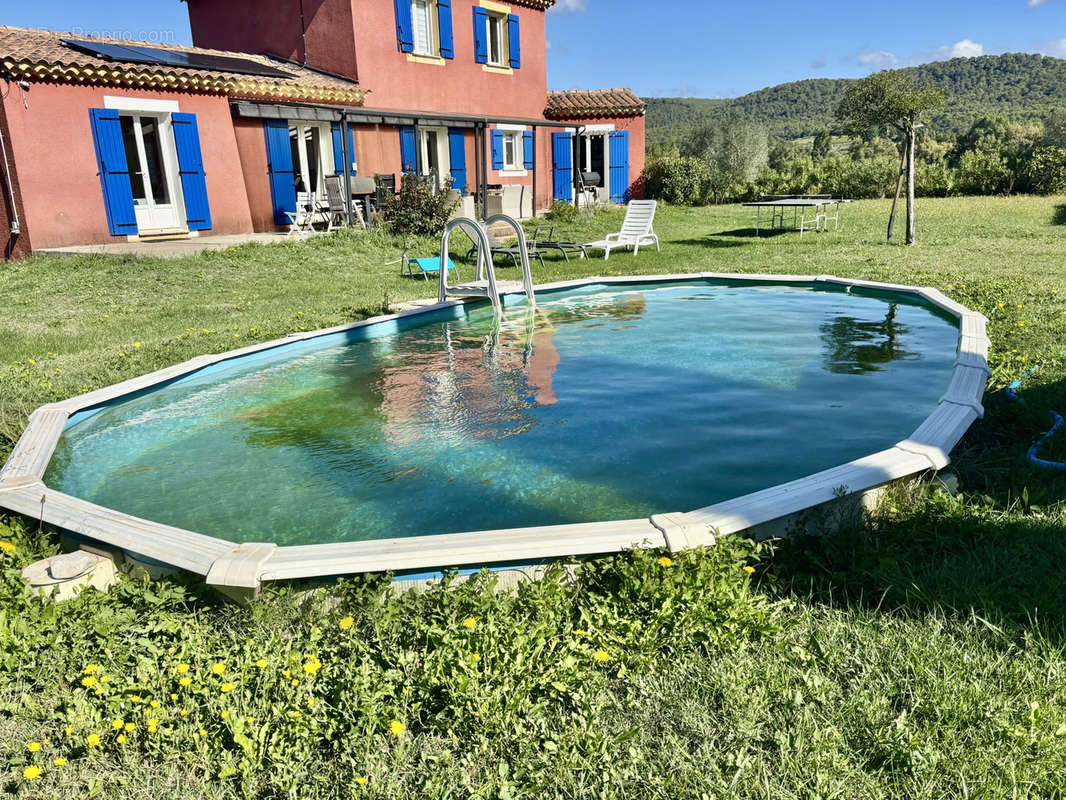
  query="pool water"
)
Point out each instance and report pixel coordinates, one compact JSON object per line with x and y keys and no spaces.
{"x":607,"y":402}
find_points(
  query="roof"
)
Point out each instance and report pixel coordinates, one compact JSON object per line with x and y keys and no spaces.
{"x":40,"y":56}
{"x":579,"y":104}
{"x":540,"y":5}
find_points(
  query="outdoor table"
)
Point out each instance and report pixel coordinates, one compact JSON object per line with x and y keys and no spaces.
{"x":799,"y":206}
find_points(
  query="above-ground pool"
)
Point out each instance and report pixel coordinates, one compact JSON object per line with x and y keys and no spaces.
{"x":608,"y":401}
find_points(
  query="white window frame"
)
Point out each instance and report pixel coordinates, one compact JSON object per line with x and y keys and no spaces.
{"x":443,"y":152}
{"x":432,"y":32}
{"x":498,"y":20}
{"x":515,"y":133}
{"x":325,"y":154}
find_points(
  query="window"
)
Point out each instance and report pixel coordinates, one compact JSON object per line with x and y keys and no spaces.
{"x":512,"y":149}
{"x":311,"y":160}
{"x":423,"y":13}
{"x":496,"y":39}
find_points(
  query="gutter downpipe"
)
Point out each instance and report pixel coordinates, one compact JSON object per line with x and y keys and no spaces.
{"x":16,"y":226}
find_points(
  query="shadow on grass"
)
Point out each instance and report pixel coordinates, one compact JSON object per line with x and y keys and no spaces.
{"x":1058,"y":216}
{"x":709,"y":241}
{"x":994,"y":552}
{"x":761,"y":233}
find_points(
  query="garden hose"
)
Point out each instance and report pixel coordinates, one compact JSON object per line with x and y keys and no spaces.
{"x":1033,"y":455}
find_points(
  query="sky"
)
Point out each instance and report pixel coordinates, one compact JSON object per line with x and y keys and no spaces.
{"x":687,"y":48}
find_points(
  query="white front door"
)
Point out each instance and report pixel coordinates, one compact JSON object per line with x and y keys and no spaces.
{"x":435,"y":157}
{"x":153,"y":167}
{"x":312,"y":157}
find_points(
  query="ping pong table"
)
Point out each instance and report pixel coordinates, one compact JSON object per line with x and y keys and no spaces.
{"x":800,"y":205}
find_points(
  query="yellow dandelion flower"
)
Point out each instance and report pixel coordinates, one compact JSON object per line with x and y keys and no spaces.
{"x":261,"y":663}
{"x":225,"y":715}
{"x":226,"y":688}
{"x":173,"y":696}
{"x":186,"y":681}
{"x":396,"y":727}
{"x":182,"y":668}
{"x":135,"y":699}
{"x":666,"y":562}
{"x":601,"y":656}
{"x":218,"y":668}
{"x":90,"y":669}
{"x":152,"y":725}
{"x":121,"y":738}
{"x":32,"y":772}
{"x":7,"y":547}
{"x":184,"y":712}
{"x":203,"y":732}
{"x":130,"y":727}
{"x":117,"y":723}
{"x":580,"y":632}
{"x":312,"y":666}
{"x":68,"y":730}
{"x":346,"y":623}
{"x":105,"y":678}
{"x":59,"y":762}
{"x":88,"y":681}
{"x":295,"y":682}
{"x":154,"y":704}
{"x":469,"y":623}
{"x":287,"y":673}
{"x":361,"y":780}
{"x":93,"y":740}
{"x":750,"y":570}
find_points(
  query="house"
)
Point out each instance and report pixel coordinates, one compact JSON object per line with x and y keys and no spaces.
{"x":106,"y":140}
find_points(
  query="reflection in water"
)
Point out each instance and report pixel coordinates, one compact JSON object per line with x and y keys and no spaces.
{"x":854,"y":346}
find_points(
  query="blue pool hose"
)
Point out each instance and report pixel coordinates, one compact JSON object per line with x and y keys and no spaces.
{"x":1034,"y":452}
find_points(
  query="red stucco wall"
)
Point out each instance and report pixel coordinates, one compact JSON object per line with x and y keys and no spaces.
{"x":273,"y":26}
{"x":52,"y":148}
{"x":459,"y":85}
{"x":251,"y":145}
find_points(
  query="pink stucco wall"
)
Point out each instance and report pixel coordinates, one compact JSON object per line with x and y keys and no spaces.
{"x":51,"y":144}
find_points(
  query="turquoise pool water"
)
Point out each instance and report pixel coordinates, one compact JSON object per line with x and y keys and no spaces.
{"x":606,"y":403}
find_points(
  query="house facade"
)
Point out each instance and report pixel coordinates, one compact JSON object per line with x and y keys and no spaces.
{"x":106,"y":140}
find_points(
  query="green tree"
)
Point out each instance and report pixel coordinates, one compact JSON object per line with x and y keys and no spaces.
{"x":821,"y":145}
{"x":735,"y":152}
{"x":891,"y":98}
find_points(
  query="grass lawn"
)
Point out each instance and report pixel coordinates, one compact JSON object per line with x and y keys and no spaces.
{"x":920,"y":656}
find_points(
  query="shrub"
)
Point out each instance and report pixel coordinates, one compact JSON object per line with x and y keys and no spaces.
{"x":1048,"y":170}
{"x":561,"y":211}
{"x":844,"y":177}
{"x":419,"y":210}
{"x":934,"y":179}
{"x":681,"y":180}
{"x":983,"y":172}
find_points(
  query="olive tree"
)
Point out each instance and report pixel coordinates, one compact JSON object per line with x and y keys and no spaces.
{"x":891,"y":99}
{"x":735,"y":152}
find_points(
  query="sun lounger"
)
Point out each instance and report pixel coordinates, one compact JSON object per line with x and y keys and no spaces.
{"x":637,"y":230}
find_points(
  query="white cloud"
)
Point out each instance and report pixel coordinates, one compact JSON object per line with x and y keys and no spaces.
{"x":1036,"y":3}
{"x":966,"y":48}
{"x":819,"y":61}
{"x":569,"y":7}
{"x":1052,"y":47}
{"x":878,"y":59}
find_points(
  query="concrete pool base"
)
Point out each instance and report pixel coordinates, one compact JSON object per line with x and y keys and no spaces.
{"x":239,"y":569}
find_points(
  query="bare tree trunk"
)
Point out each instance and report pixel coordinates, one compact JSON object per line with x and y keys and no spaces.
{"x":899,"y":188}
{"x":911,"y":137}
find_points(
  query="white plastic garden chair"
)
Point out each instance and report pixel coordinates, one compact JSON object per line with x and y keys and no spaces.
{"x":637,"y":230}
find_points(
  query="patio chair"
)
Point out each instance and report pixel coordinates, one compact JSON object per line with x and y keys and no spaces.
{"x":305,"y":215}
{"x":549,"y":243}
{"x":637,"y":230}
{"x":335,"y":209}
{"x":425,"y":266}
{"x":496,"y":247}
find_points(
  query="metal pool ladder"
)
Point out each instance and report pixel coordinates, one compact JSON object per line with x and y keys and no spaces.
{"x":485,"y":283}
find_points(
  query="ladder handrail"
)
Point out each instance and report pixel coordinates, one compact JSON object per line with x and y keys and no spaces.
{"x":527,"y":274}
{"x":484,"y":251}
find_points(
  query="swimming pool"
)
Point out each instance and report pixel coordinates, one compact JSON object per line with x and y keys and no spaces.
{"x":390,"y":444}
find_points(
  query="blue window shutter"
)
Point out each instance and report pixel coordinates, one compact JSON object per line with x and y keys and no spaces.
{"x":279,"y":166}
{"x":514,"y":41}
{"x":481,"y":34}
{"x":408,"y":149}
{"x":191,"y":171}
{"x":444,"y":28}
{"x":562,"y":166}
{"x":405,"y":29}
{"x":338,"y":149}
{"x":457,"y":158}
{"x":527,"y":149}
{"x":497,"y":149}
{"x":619,"y":143}
{"x":114,"y":172}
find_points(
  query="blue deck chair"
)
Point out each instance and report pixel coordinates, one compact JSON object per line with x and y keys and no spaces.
{"x":425,"y":266}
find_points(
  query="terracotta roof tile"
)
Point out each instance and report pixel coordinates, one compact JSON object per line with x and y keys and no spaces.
{"x":36,"y":55}
{"x":576,"y":104}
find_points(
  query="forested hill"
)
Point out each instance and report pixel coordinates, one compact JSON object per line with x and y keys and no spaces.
{"x":1019,"y":86}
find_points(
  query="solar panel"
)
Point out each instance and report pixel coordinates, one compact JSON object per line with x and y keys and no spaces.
{"x":174,"y":58}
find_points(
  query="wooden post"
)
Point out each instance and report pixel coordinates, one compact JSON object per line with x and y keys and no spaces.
{"x":912,"y":135}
